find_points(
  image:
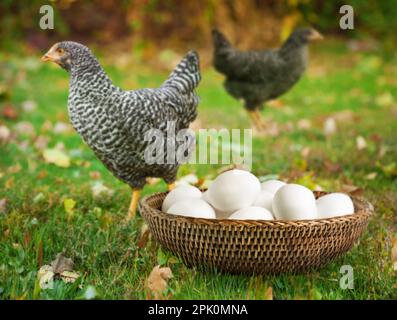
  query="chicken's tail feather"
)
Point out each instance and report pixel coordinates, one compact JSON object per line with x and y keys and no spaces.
{"x":186,"y":75}
{"x":219,"y":40}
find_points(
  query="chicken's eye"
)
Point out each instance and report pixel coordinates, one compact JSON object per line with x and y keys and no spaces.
{"x":60,"y":51}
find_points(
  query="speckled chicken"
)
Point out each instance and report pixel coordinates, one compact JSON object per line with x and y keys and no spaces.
{"x":259,"y":76}
{"x":113,"y":122}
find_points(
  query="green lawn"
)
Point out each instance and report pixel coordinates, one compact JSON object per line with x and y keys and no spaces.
{"x":34,"y":225}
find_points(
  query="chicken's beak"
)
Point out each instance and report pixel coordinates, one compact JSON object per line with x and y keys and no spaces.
{"x":315,"y":35}
{"x":46,"y":57}
{"x":52,"y":55}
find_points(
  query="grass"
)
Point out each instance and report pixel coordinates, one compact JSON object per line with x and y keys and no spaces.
{"x":34,"y":226}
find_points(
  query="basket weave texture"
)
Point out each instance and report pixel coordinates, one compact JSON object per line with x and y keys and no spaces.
{"x":254,"y":246}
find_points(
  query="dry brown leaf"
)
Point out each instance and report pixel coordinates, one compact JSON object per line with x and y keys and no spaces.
{"x":41,"y":142}
{"x":5,"y":134}
{"x":57,"y":157}
{"x":361,"y":143}
{"x":3,"y":205}
{"x":269,"y":294}
{"x":352,"y":190}
{"x":95,"y":175}
{"x":46,"y":277}
{"x":394,"y":254}
{"x":330,"y":127}
{"x":371,"y":176}
{"x":304,"y":124}
{"x":157,"y":281}
{"x":14,"y":169}
{"x":61,"y":264}
{"x":144,"y":238}
{"x":69,"y":276}
{"x":344,"y":116}
{"x":9,"y":112}
{"x":25,"y":128}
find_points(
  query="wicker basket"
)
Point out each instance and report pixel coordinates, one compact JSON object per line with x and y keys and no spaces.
{"x":254,"y":246}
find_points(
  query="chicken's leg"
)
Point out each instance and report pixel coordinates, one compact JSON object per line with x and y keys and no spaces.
{"x":136,"y":193}
{"x":257,"y":120}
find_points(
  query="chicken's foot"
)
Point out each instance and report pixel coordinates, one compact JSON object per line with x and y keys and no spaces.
{"x":134,"y":204}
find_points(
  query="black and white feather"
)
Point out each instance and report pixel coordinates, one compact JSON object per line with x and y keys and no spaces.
{"x":113,"y":122}
{"x":259,"y":76}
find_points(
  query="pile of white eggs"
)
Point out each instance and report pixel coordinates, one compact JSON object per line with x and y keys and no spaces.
{"x":238,"y":194}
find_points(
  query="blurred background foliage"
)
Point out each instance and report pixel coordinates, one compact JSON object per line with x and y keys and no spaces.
{"x":147,"y":25}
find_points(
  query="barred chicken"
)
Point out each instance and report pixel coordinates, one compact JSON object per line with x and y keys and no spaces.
{"x":259,"y":76}
{"x":113,"y":122}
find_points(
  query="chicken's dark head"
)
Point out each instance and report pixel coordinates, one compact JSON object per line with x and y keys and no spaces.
{"x":70,"y":55}
{"x":306,"y":35}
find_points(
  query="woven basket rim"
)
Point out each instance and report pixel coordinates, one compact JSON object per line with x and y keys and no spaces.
{"x":364,"y":209}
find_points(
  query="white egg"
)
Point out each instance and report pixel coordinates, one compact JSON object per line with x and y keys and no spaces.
{"x":252,"y":213}
{"x":180,"y":193}
{"x":233,"y":190}
{"x":195,"y":208}
{"x":294,"y":202}
{"x":204,"y":196}
{"x":334,"y":205}
{"x":264,"y":200}
{"x":272,"y":186}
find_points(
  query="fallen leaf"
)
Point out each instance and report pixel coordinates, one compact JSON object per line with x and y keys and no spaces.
{"x":144,"y":237}
{"x":95,"y":175}
{"x":14,"y":169}
{"x":383,"y":150}
{"x":9,"y":112}
{"x":352,"y":189}
{"x":3,"y":205}
{"x":389,"y":170}
{"x":62,"y":128}
{"x":344,"y":116}
{"x":69,"y":276}
{"x":9,"y":182}
{"x":157,"y":281}
{"x":29,"y":105}
{"x":329,"y":127}
{"x":25,"y":128}
{"x":62,"y":267}
{"x":47,"y":126}
{"x":394,"y":254}
{"x":371,"y":176}
{"x":5,"y":134}
{"x":42,"y":174}
{"x":304,"y":124}
{"x":41,"y":142}
{"x":99,"y":190}
{"x":57,"y":157}
{"x":69,"y":205}
{"x":46,"y":277}
{"x":39,"y":198}
{"x":269,"y":294}
{"x":385,"y":99}
{"x":361,"y":143}
{"x":61,"y":264}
